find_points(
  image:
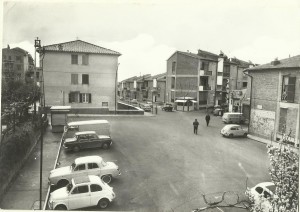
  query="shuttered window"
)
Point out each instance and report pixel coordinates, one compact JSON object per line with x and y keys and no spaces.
{"x":85,"y":79}
{"x":74,"y":59}
{"x":85,"y":59}
{"x":74,"y":79}
{"x":288,"y":89}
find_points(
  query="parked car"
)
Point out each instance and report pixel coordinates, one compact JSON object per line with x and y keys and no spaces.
{"x":261,"y":194}
{"x":146,"y":107}
{"x":233,"y":118}
{"x":87,"y":139}
{"x":233,"y":130}
{"x":167,"y":107}
{"x":89,"y":165}
{"x":134,"y":101}
{"x":82,"y":192}
{"x":218,"y":112}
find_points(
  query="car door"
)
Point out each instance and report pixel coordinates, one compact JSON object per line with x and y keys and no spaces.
{"x":96,"y":193}
{"x":239,"y":131}
{"x":232,"y":131}
{"x":79,"y":197}
{"x":94,"y":141}
{"x":93,"y":169}
{"x":83,"y":141}
{"x":80,"y":170}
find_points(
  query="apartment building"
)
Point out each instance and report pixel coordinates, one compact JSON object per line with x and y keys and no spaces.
{"x":17,"y":64}
{"x":275,"y":99}
{"x":204,"y":79}
{"x":80,"y":74}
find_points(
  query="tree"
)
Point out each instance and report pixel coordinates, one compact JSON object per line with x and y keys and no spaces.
{"x":284,"y":172}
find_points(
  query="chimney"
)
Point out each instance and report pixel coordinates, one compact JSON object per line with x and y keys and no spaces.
{"x":275,"y":62}
{"x":8,"y":46}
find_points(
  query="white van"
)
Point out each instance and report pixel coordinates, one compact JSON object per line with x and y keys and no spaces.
{"x":233,"y":118}
{"x":101,"y":127}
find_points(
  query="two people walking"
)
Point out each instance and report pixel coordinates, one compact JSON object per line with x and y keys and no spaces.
{"x":196,"y":123}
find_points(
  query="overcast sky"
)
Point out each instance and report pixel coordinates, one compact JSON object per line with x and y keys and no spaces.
{"x":147,"y":33}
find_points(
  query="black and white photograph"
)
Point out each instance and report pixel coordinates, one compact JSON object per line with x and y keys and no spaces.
{"x":150,"y":106}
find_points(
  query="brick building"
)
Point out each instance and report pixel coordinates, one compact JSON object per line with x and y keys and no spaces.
{"x":17,"y":64}
{"x":205,"y":78}
{"x":275,"y":99}
{"x":81,"y":75}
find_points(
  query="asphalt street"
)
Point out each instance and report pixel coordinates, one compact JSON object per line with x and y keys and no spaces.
{"x":166,"y":167}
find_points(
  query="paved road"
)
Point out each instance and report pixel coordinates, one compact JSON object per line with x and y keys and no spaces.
{"x":165,"y":167}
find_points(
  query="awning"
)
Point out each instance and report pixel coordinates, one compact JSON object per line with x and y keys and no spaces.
{"x":181,"y":100}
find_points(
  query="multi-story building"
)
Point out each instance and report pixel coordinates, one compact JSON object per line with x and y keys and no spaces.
{"x":17,"y":64}
{"x":275,"y":99}
{"x":205,"y":79}
{"x":156,"y":91}
{"x":80,"y":74}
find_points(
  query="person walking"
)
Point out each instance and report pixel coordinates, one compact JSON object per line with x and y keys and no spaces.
{"x":195,"y":124}
{"x":207,"y":118}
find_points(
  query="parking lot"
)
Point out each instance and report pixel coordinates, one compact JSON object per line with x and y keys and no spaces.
{"x":165,"y":167}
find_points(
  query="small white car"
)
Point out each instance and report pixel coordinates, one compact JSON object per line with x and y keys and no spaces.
{"x":233,"y":130}
{"x":82,"y":192}
{"x":89,"y":165}
{"x":260,"y":194}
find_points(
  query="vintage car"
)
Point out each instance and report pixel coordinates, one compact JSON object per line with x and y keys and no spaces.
{"x":87,"y":139}
{"x":146,"y":107}
{"x":233,"y":130}
{"x":82,"y":192}
{"x":89,"y":165}
{"x":167,"y":107}
{"x":261,"y":195}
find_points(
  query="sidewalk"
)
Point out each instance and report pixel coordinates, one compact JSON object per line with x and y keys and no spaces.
{"x":266,"y":141}
{"x":24,"y":192}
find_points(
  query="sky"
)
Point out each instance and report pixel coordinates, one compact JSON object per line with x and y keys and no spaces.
{"x":148,"y":32}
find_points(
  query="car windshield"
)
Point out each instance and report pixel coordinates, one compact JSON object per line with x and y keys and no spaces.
{"x":69,"y":187}
{"x":103,"y":163}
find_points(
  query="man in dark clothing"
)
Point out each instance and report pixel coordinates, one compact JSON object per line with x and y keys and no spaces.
{"x":196,"y":124}
{"x":207,"y":118}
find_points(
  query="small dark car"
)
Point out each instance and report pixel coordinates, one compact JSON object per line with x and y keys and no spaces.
{"x":87,"y":139}
{"x":167,"y":107}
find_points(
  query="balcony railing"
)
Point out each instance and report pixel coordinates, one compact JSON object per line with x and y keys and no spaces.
{"x":205,"y":73}
{"x":204,"y":88}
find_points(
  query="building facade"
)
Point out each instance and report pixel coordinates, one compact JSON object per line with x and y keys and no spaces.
{"x":17,"y":64}
{"x":204,"y":78}
{"x":275,"y":99}
{"x":80,"y":74}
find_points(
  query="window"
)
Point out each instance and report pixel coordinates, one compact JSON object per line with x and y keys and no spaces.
{"x":259,"y":190}
{"x":85,"y":98}
{"x":173,"y":67}
{"x":81,"y":189}
{"x":104,"y":104}
{"x":85,"y":79}
{"x":172,"y":82}
{"x":80,"y":167}
{"x":245,"y":84}
{"x":85,"y":59}
{"x":95,"y":188}
{"x":204,"y":65}
{"x":93,"y":166}
{"x":74,"y":79}
{"x":74,"y":97}
{"x":266,"y":194}
{"x":288,"y":89}
{"x":74,"y":59}
{"x":18,"y":58}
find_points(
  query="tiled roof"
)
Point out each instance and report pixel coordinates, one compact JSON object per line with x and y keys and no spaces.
{"x":196,"y":56}
{"x":158,"y":77}
{"x":80,"y":47}
{"x":291,"y":62}
{"x":144,"y":77}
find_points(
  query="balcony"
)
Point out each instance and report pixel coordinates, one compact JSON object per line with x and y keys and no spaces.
{"x":226,"y":74}
{"x":205,"y":73}
{"x":204,"y":88}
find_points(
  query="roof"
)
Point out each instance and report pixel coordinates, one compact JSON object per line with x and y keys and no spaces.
{"x":231,"y":125}
{"x":291,"y":62}
{"x":142,"y":78}
{"x":85,"y":132}
{"x":160,"y":77}
{"x":86,"y":159}
{"x":131,"y":79}
{"x":75,"y":123}
{"x":80,"y":46}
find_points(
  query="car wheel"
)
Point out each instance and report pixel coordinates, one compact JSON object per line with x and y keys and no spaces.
{"x":105,"y":146}
{"x":245,"y":135}
{"x":103,"y":203}
{"x":61,"y":208}
{"x":62,"y":183}
{"x":107,"y":178}
{"x":230,"y":136}
{"x":76,"y":148}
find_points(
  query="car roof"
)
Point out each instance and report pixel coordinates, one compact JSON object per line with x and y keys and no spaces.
{"x":232,"y":125}
{"x":87,"y":159}
{"x":265,"y":184}
{"x":85,"y":132}
{"x":86,"y":179}
{"x":78,"y":123}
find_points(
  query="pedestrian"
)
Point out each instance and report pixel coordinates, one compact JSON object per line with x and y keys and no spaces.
{"x":196,"y":124}
{"x":207,"y":118}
